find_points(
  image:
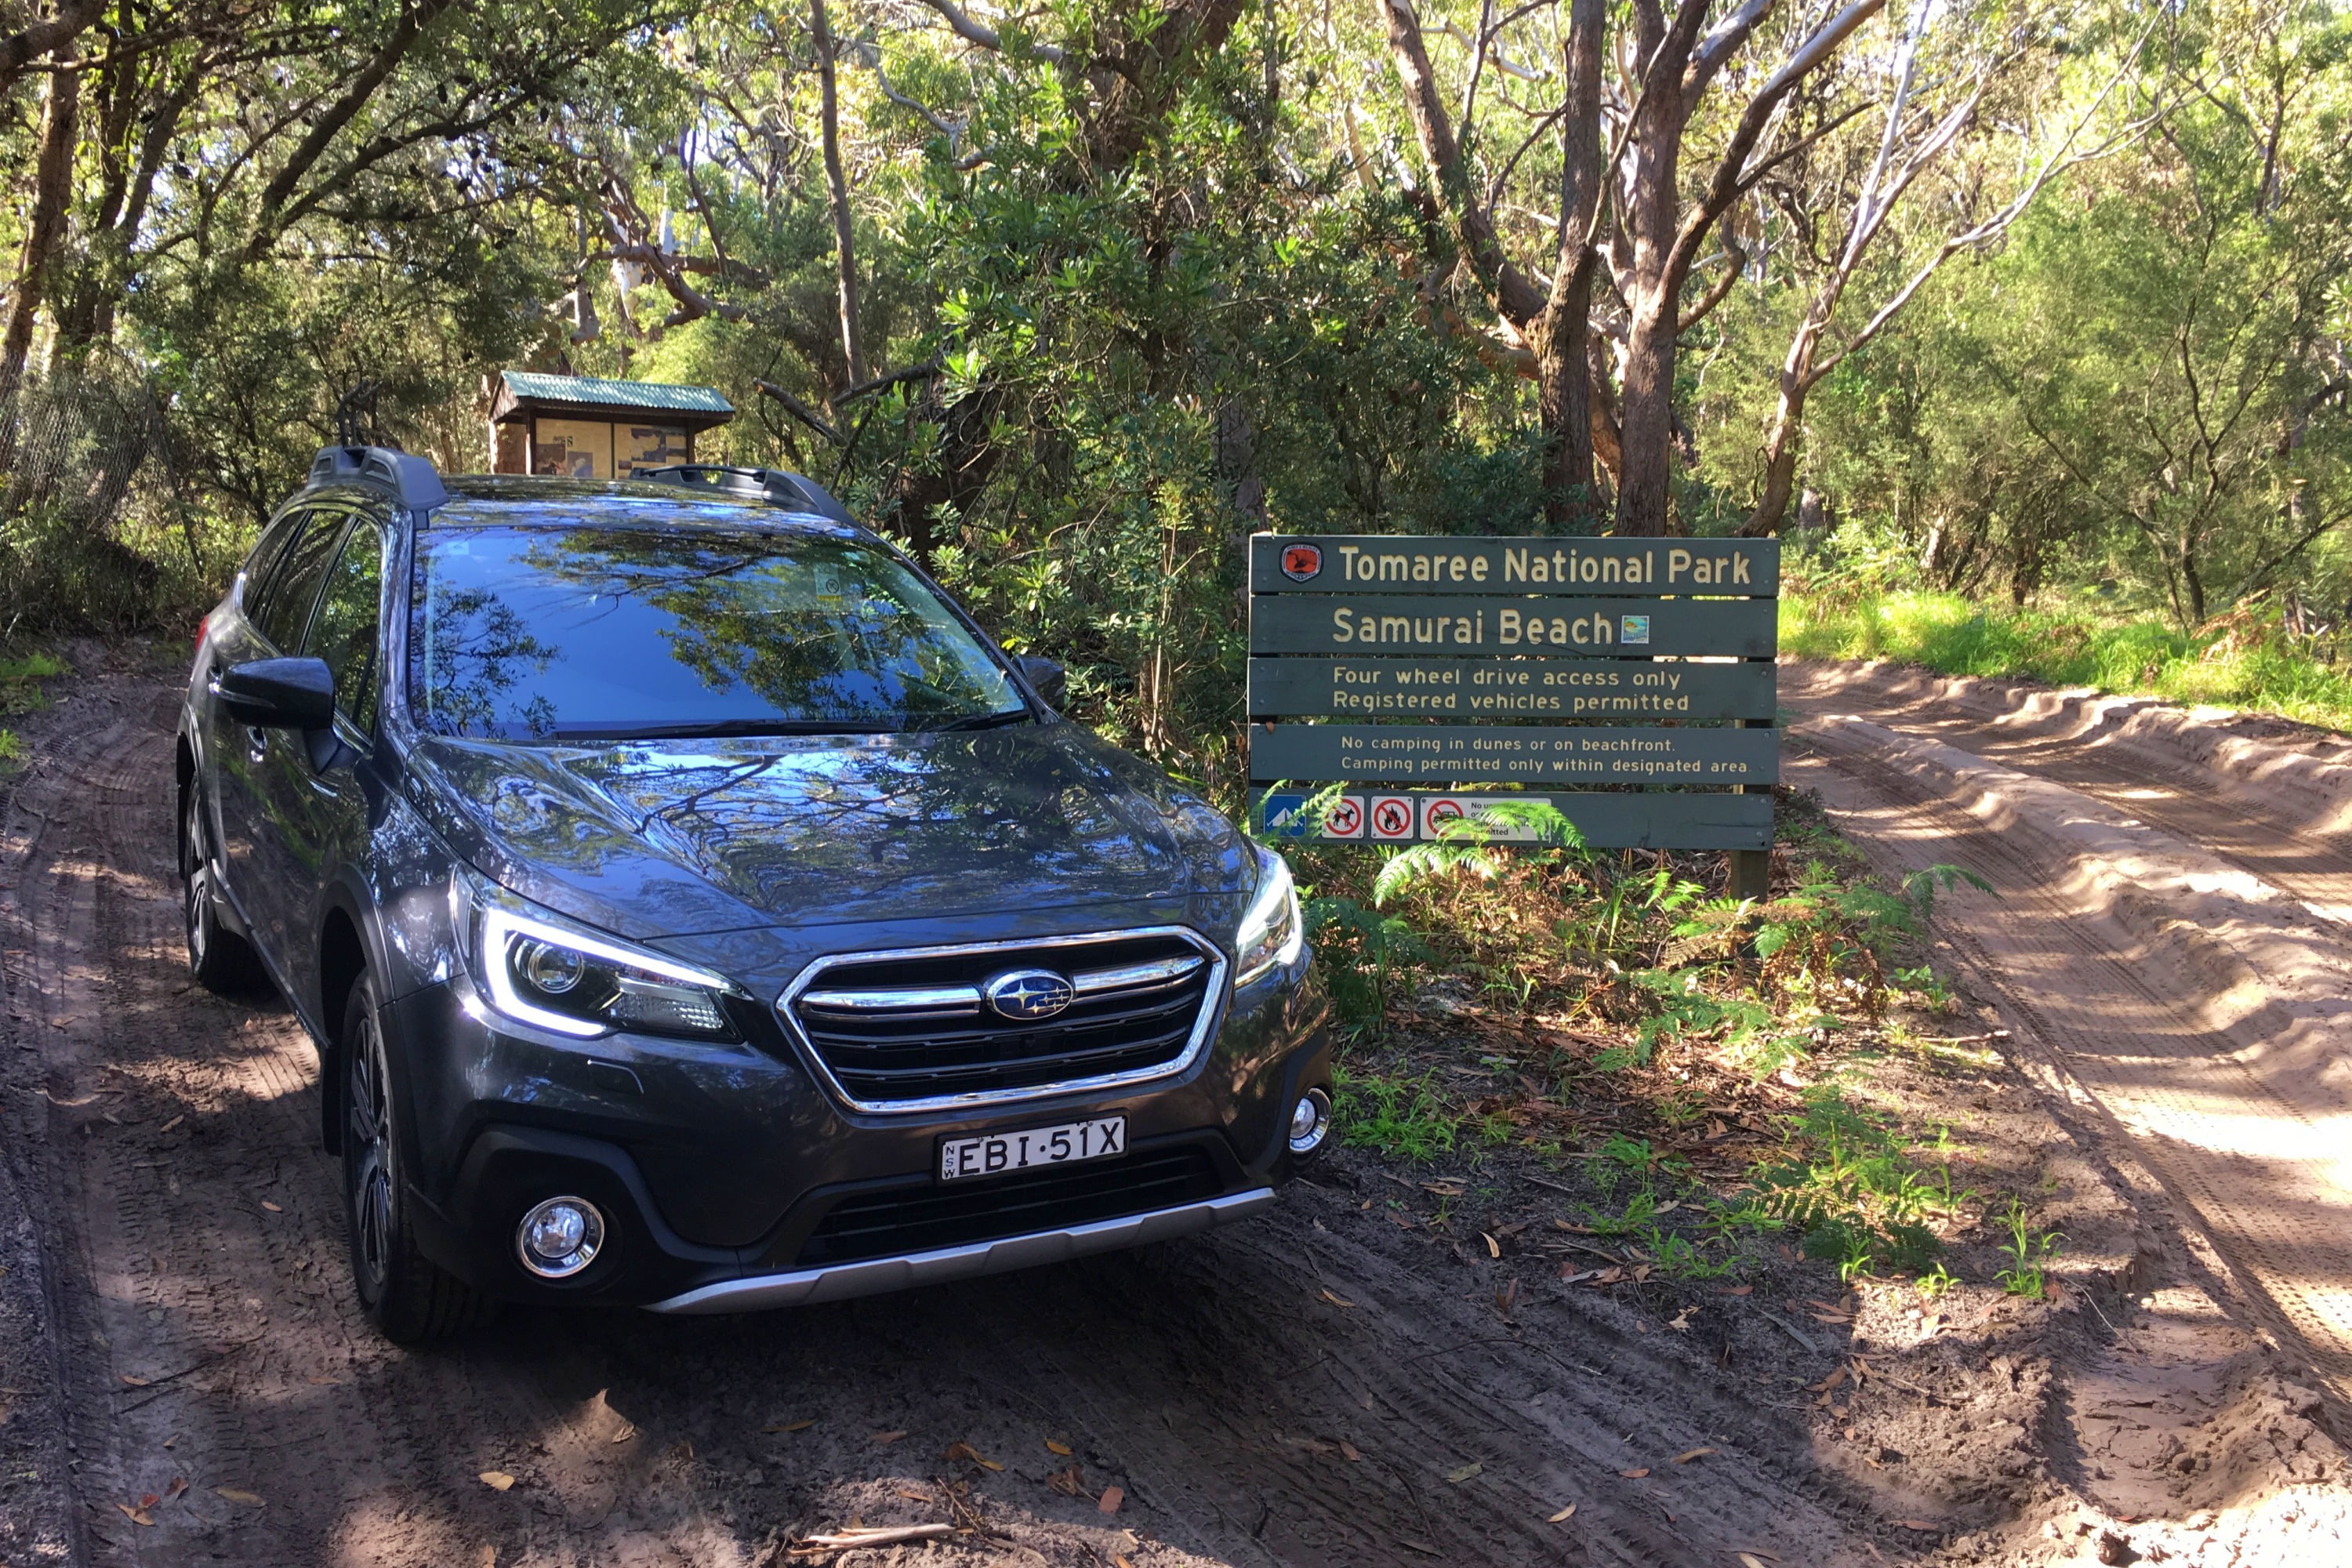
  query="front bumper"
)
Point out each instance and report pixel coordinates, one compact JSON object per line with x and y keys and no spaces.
{"x":807,"y":1287}
{"x":735,"y":1185}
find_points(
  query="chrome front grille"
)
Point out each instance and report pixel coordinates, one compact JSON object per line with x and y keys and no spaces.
{"x":913,"y":1030}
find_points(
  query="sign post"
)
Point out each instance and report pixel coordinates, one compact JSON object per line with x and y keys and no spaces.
{"x":1629,"y":683}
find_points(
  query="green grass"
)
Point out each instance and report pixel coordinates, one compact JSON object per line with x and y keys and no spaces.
{"x":2243,"y":660}
{"x":1403,"y":1118}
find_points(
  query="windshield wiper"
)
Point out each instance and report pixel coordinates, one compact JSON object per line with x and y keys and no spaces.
{"x":982,"y":721}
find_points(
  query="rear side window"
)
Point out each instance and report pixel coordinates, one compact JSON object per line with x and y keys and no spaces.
{"x":293,"y":587}
{"x":343,"y":632}
{"x":266,"y":553}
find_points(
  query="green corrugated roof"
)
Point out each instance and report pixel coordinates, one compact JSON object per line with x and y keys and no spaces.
{"x":620,"y":393}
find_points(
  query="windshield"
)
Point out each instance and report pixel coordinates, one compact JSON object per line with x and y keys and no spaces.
{"x":564,"y":632}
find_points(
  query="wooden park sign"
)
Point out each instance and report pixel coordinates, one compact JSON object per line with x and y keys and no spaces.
{"x":1628,"y":682}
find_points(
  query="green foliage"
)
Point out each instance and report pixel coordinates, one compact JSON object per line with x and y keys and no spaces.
{"x":2254,"y":661}
{"x":2028,"y":1253}
{"x":1847,"y":1183}
{"x":1359,"y":953}
{"x":1406,"y":1118}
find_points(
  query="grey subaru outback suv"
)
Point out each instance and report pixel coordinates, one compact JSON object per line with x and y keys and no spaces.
{"x":693,"y":907}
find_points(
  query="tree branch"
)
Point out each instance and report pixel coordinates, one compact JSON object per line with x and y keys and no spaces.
{"x":986,"y":36}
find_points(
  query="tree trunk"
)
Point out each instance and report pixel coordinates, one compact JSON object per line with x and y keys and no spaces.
{"x":1646,"y":441}
{"x":1797,"y":378}
{"x":45,"y":229}
{"x":853,"y":348}
{"x":1563,"y":368}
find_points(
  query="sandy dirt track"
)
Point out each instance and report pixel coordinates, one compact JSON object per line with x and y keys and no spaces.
{"x":204,"y":1332}
{"x":2140,"y":1003}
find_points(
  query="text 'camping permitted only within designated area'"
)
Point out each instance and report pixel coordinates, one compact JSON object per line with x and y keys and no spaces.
{"x":1629,"y":683}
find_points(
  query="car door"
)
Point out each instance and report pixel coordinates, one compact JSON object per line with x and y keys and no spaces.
{"x":232,"y":638}
{"x":250,"y":760}
{"x":318,"y":810}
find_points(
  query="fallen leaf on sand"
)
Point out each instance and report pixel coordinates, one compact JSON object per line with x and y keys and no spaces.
{"x":1836,"y":1376}
{"x":888,"y":1436}
{"x":1335,"y":1300}
{"x":1112,"y":1497}
{"x":625,"y":1434}
{"x":1693,"y":1454}
{"x":134,"y":1382}
{"x":1121,"y":1562}
{"x":1680,"y":1322}
{"x":149,"y":1501}
{"x":966,"y":1451}
{"x":238,"y":1494}
{"x":1735,"y":1289}
{"x":792,"y":1426}
{"x":1464,"y":1473}
{"x":1635,"y":1475}
{"x":1057,"y":1446}
{"x":1571,"y":1275}
{"x":1493,"y":1247}
{"x":1069,"y":1483}
{"x":135,"y":1515}
{"x":1830,"y":1318}
{"x":1749,"y":1560}
{"x":173,"y":1122}
{"x":1563,"y":1515}
{"x":179,"y":1484}
{"x":1349,"y":1452}
{"x":497,"y":1481}
{"x":273,"y":1208}
{"x":913,"y":1496}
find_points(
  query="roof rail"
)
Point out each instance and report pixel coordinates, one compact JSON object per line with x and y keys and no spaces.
{"x":775,"y":485}
{"x":412,"y":481}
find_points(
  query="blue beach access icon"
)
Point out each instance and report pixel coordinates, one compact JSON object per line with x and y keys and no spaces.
{"x":1635,"y":629}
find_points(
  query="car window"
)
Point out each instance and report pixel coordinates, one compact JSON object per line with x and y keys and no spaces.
{"x":343,"y":631}
{"x":553,"y":632}
{"x":267,"y":550}
{"x":294,"y":586}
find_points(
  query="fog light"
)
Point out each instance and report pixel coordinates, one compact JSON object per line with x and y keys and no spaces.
{"x":559,"y":1237}
{"x":1310,"y":1122}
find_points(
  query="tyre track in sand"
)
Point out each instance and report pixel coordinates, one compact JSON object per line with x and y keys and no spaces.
{"x":2126,"y":1026}
{"x":208,"y":1333}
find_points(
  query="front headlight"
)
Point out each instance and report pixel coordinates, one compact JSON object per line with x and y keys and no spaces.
{"x":1273,"y":932}
{"x":537,"y":968}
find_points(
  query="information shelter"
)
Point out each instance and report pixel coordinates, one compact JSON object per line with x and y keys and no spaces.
{"x":1628,"y":682}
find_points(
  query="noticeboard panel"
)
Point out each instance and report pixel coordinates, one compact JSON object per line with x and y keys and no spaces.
{"x":1359,"y":564}
{"x":1463,"y":626}
{"x":1714,"y":757}
{"x":1506,"y":688}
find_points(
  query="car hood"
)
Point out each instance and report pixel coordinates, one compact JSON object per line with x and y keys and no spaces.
{"x":682,"y":838}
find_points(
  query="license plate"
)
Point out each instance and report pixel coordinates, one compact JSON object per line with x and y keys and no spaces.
{"x":996,"y":1153}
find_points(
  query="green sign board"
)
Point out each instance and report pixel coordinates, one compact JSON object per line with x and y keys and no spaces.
{"x":1591,"y":688}
{"x":1351,"y":563}
{"x":1517,"y":753}
{"x":1459,"y":624}
{"x":1631,"y":678}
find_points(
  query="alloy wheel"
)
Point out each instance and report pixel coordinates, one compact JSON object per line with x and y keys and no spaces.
{"x":369,"y":1137}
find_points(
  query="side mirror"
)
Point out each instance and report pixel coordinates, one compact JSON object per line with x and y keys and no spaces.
{"x":279,"y":693}
{"x":1051,"y":682}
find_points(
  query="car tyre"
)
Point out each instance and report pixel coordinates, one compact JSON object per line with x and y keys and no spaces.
{"x":220,"y":960}
{"x":407,"y":1296}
